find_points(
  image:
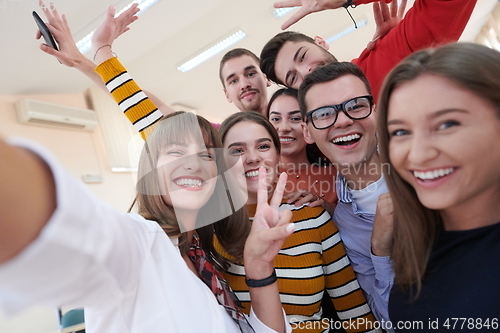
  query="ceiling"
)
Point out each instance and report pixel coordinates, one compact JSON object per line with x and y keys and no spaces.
{"x":166,"y":35}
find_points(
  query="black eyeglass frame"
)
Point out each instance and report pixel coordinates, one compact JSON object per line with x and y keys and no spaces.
{"x":340,"y":107}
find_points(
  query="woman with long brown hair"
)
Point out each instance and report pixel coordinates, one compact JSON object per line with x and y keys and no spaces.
{"x":439,"y":127}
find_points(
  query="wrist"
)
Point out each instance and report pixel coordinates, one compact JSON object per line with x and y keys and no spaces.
{"x":258,"y":283}
{"x":258,"y":270}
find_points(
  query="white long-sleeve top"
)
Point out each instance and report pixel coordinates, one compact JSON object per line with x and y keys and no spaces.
{"x":122,"y":268}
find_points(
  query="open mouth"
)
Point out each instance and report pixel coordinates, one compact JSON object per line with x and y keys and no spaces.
{"x":432,"y":175}
{"x":286,"y":140}
{"x":252,"y":173}
{"x":346,"y":140}
{"x":189,"y":182}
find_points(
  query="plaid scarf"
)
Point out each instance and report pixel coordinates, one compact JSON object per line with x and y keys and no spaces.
{"x":214,"y":280}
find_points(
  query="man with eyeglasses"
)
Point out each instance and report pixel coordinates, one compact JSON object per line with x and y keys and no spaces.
{"x":336,"y":103}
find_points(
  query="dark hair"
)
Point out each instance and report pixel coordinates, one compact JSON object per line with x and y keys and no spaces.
{"x":230,"y":231}
{"x":254,"y":117}
{"x":471,"y":66}
{"x":283,"y":91}
{"x":329,"y":73}
{"x":270,"y":51}
{"x":235,"y":53}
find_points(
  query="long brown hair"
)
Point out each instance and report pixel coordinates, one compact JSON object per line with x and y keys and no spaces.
{"x":471,"y":66}
{"x":230,"y":231}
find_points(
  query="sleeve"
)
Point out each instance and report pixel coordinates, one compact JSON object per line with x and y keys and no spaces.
{"x":384,"y":279}
{"x":342,"y":285}
{"x":259,"y":326}
{"x":134,"y":103}
{"x":428,"y":23}
{"x":77,"y":260}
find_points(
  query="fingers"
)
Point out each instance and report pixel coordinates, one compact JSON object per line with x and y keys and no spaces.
{"x":286,"y":3}
{"x":262,"y":188}
{"x":384,"y":8}
{"x":394,"y":8}
{"x":278,"y":192}
{"x":402,"y":8}
{"x":295,"y":18}
{"x":377,"y":14}
{"x":49,"y":50}
{"x":278,"y":233}
{"x":38,"y":34}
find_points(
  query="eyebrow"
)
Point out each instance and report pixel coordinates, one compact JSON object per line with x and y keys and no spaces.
{"x":183,"y":144}
{"x":246,"y":69}
{"x":244,"y":143}
{"x":431,"y":116}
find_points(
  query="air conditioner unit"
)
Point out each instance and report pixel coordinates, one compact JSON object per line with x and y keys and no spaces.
{"x":41,"y":113}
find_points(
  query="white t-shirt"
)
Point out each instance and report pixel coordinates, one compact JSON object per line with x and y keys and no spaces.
{"x":366,"y":198}
{"x":122,"y":268}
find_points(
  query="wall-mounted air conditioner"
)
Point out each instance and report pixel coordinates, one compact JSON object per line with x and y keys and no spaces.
{"x":41,"y":113}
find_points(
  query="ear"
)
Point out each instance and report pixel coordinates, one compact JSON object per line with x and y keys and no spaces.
{"x":321,"y":42}
{"x":227,"y":96}
{"x":305,"y":131}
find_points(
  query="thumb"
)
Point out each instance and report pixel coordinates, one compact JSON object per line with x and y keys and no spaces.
{"x":49,"y":50}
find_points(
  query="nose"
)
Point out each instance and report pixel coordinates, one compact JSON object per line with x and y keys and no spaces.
{"x":244,"y":82}
{"x":251,"y":156}
{"x":283,"y":126}
{"x":421,"y":150}
{"x":192,"y":162}
{"x":342,"y":120}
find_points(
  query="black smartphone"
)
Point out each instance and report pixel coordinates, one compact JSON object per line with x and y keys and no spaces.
{"x":47,"y":35}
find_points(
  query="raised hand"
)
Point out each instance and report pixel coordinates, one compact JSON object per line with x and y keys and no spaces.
{"x":112,"y":27}
{"x":68,"y":53}
{"x":269,"y":228}
{"x":386,"y":19}
{"x":306,"y":7}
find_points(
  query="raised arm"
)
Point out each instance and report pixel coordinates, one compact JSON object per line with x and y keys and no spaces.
{"x":312,"y":6}
{"x":269,"y":230}
{"x":70,"y":56}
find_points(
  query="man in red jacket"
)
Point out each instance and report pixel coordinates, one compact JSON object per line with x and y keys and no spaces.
{"x":289,"y":56}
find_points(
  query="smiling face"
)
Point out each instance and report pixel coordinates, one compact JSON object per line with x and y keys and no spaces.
{"x":244,"y":84}
{"x":187,"y":173}
{"x":348,"y":142}
{"x":445,"y":142}
{"x":284,"y":115}
{"x":251,"y":144}
{"x":297,"y":59}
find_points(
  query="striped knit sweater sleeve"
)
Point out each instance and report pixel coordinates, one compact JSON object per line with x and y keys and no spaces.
{"x":134,"y":103}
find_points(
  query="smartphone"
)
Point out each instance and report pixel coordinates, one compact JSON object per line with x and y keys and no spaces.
{"x":49,"y":39}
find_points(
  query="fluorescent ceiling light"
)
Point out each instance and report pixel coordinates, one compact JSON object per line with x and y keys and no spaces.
{"x":346,"y":31}
{"x":212,"y":50}
{"x":280,"y":12}
{"x":85,"y":43}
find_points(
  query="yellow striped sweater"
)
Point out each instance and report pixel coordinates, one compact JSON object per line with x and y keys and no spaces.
{"x":312,"y":260}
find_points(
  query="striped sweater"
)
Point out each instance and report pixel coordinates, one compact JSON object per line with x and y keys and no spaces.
{"x":312,"y":260}
{"x":134,"y":103}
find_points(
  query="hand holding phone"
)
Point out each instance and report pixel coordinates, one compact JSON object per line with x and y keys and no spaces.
{"x":47,"y":35}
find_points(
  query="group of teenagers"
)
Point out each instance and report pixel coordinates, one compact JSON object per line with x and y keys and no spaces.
{"x":221,"y":241}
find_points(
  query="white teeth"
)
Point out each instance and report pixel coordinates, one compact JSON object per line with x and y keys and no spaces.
{"x":189,"y":182}
{"x":252,"y":173}
{"x":346,"y":138}
{"x":286,"y":139}
{"x":429,"y":175}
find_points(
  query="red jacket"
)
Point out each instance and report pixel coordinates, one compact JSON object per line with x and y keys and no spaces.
{"x":428,"y":23}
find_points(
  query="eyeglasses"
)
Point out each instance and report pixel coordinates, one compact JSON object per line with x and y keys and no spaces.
{"x":356,"y":108}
